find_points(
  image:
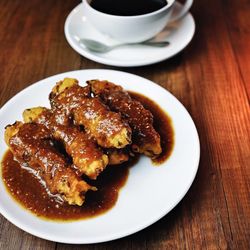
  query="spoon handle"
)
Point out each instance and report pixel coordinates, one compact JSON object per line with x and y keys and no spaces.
{"x":156,"y":44}
{"x":146,"y":43}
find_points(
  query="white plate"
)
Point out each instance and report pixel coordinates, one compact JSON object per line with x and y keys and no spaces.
{"x":150,"y":192}
{"x":178,"y":34}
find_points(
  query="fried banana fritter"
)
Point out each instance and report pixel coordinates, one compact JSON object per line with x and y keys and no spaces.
{"x":30,"y":143}
{"x":107,"y":127}
{"x":88,"y":159}
{"x":144,"y":137}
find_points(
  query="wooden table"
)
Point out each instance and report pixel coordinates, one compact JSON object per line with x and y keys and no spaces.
{"x":211,"y":77}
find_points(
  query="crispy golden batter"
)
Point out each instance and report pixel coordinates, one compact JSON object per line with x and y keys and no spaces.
{"x":107,"y":127}
{"x":88,"y":159}
{"x":30,"y":143}
{"x":144,"y":137}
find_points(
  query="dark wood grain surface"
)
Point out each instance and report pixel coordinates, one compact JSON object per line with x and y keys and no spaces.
{"x":211,"y":77}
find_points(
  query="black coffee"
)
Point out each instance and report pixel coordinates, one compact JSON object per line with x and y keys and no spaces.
{"x":127,"y":7}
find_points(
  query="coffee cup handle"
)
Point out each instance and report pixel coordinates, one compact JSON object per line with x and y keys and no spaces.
{"x":181,"y":11}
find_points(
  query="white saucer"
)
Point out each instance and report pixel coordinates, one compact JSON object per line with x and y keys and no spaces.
{"x":178,"y":34}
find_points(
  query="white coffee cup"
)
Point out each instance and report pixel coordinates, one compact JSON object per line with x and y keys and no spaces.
{"x":133,"y":29}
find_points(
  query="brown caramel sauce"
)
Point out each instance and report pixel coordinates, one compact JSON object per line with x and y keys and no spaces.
{"x":31,"y":194}
{"x":25,"y":188}
{"x":162,"y":124}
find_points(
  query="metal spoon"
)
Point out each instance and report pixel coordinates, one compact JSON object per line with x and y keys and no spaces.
{"x":100,"y":47}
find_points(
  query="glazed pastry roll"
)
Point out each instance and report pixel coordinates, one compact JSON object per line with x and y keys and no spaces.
{"x":117,"y":156}
{"x":144,"y":137}
{"x":30,"y":143}
{"x":87,"y":157}
{"x":105,"y":126}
